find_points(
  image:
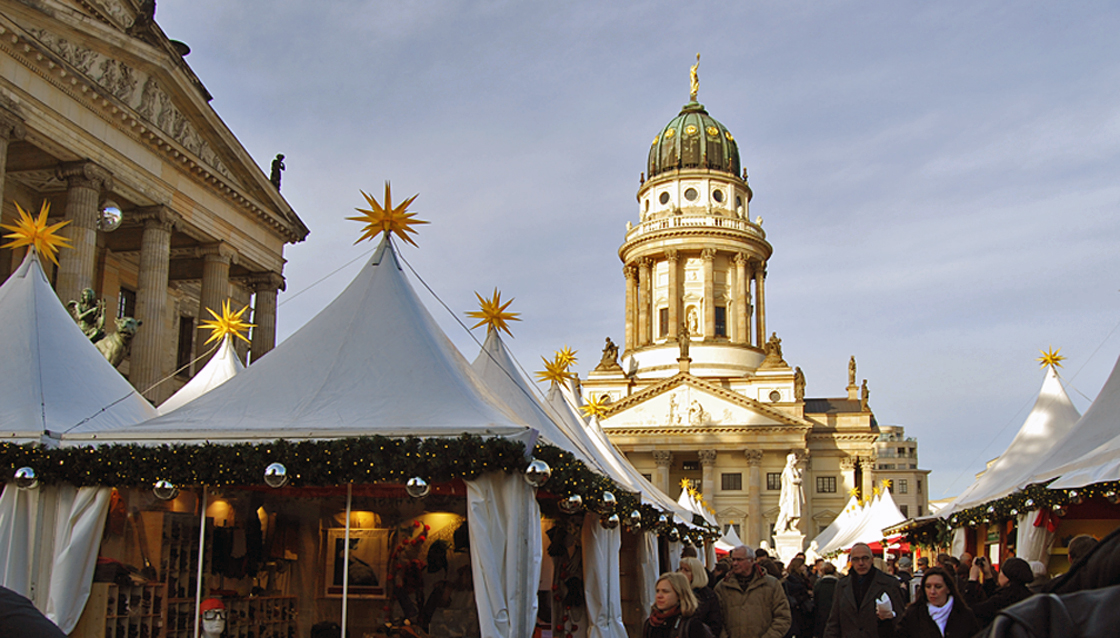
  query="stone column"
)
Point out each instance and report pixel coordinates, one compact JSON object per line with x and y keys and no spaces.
{"x":673,"y":260}
{"x":754,"y":498}
{"x":708,"y":482}
{"x":84,"y":181}
{"x":743,"y":314}
{"x":708,"y":256}
{"x":150,"y":342}
{"x":265,"y":285}
{"x":867,"y":467}
{"x":216,"y":259}
{"x":848,"y":469}
{"x":643,"y":302}
{"x":760,"y":281}
{"x":663,"y":459}
{"x":11,"y":129}
{"x":631,"y":275}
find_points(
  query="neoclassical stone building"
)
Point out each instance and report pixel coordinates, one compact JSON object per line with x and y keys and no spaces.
{"x":701,"y":391}
{"x":98,"y":108}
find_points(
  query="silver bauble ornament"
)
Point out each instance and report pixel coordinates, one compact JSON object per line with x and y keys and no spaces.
{"x":1059,"y":511}
{"x":674,"y":535}
{"x":417,"y":487}
{"x":571,"y":505}
{"x":537,"y":473}
{"x":1029,"y":503}
{"x":26,"y":478}
{"x":609,"y":502}
{"x":165,"y":490}
{"x":1112,"y":496}
{"x":276,"y":475}
{"x":1075,"y":498}
{"x":610,"y":522}
{"x":635,"y":520}
{"x":662,"y":521}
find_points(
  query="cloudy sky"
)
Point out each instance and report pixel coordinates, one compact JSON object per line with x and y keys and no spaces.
{"x":938,"y":179}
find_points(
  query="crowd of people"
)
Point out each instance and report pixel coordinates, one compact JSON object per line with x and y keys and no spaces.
{"x":749,"y":594}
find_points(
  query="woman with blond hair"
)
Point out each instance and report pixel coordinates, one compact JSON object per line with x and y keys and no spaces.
{"x":707,"y":609}
{"x":673,"y":607}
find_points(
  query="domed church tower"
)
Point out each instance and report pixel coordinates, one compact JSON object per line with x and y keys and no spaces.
{"x":701,"y":392}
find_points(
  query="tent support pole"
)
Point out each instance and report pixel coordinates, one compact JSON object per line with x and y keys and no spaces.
{"x":346,"y":558}
{"x":201,"y":550}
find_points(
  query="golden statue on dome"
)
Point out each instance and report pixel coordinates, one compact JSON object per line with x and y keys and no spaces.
{"x":695,"y":78}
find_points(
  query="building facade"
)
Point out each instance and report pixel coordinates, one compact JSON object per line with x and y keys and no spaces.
{"x":702,"y":391}
{"x":100,"y":111}
{"x":897,"y":462}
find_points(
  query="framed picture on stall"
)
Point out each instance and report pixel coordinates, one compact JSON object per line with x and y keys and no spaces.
{"x":369,"y":562}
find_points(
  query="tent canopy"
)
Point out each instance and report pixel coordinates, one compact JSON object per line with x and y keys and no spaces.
{"x":52,"y":378}
{"x":865,"y":525}
{"x":372,"y":362}
{"x":1052,"y":418}
{"x":222,"y":367}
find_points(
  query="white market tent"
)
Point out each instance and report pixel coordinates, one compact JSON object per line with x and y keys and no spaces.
{"x":1052,"y":419}
{"x":222,"y":367}
{"x":375,"y":362}
{"x":690,"y":503}
{"x":865,"y":525}
{"x":1090,"y":451}
{"x":839,"y":525}
{"x":53,"y":379}
{"x":729,"y":541}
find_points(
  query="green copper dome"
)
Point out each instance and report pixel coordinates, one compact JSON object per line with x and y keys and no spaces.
{"x":694,"y":139}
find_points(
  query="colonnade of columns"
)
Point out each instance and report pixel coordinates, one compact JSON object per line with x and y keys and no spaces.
{"x":747,"y":282}
{"x":86,"y":184}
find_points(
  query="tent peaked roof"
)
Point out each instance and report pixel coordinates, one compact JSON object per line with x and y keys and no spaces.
{"x":1051,"y":419}
{"x":840,"y":525}
{"x":729,"y":541}
{"x":1090,"y":436}
{"x":496,"y":367}
{"x":51,"y":377}
{"x":866,"y":525}
{"x":690,"y":503}
{"x":372,"y":362}
{"x":222,"y":367}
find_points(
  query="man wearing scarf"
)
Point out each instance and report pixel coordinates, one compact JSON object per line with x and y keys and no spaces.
{"x":854,"y":613}
{"x":753,"y":603}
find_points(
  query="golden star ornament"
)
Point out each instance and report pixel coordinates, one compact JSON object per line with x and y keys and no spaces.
{"x":553,"y":372}
{"x":29,"y":231}
{"x":387,"y":219}
{"x":227,"y":323}
{"x":596,"y":406}
{"x":492,"y":313}
{"x":566,"y":356}
{"x":1051,"y":358}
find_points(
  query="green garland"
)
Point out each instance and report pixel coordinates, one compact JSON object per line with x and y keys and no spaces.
{"x":365,"y":459}
{"x":1037,"y":496}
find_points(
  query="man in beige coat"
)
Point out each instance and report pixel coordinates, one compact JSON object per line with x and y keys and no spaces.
{"x":753,"y":603}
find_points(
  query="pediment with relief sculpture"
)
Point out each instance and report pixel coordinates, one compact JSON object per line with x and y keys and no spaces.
{"x":685,"y":402}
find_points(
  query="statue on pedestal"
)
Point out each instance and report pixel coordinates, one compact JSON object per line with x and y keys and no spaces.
{"x":852,"y":371}
{"x":89,"y":312}
{"x":609,"y":361}
{"x":684,"y":339}
{"x":277,"y":168}
{"x":789,"y":504}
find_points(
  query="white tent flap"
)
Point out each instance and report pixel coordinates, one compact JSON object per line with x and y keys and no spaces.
{"x":17,"y":529}
{"x":601,"y":579}
{"x":81,"y":520}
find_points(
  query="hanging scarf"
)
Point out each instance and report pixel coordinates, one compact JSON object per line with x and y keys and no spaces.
{"x":940,"y":615}
{"x":658,"y":617}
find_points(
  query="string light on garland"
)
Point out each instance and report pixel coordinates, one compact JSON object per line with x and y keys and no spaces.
{"x":26,"y":479}
{"x":276,"y":475}
{"x":35,"y":232}
{"x":492,"y":313}
{"x":386,"y":219}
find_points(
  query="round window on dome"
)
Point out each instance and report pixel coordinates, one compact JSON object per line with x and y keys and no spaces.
{"x":691,"y":194}
{"x":664,"y":198}
{"x":691,"y":129}
{"x":717,"y":195}
{"x":713,"y":131}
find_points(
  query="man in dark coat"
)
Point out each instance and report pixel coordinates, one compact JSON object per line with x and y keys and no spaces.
{"x":823,"y":591}
{"x":854,"y":613}
{"x":18,"y":617}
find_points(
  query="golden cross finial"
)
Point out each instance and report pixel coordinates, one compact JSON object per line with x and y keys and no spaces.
{"x":1051,"y":358}
{"x":29,"y":231}
{"x":227,"y":323}
{"x":695,"y":79}
{"x":492,"y":313}
{"x":387,"y":219}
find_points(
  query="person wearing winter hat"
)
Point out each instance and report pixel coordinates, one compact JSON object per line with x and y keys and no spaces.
{"x":1014,"y":576}
{"x":1041,"y":576}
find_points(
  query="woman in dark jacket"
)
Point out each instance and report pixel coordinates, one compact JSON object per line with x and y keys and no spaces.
{"x":673,"y":612}
{"x":1014,"y":576}
{"x":800,"y":595}
{"x":938,"y":610}
{"x":707,"y":610}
